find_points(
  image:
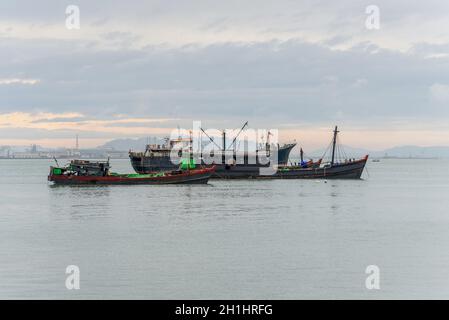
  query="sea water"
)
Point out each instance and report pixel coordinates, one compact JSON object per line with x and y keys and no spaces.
{"x":245,"y":239}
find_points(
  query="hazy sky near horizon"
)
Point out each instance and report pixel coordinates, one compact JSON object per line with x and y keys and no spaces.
{"x":137,"y":68}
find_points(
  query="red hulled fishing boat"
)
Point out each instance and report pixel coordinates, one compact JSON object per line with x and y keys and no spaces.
{"x":81,"y":172}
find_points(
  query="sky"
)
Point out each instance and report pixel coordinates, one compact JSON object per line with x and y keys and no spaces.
{"x":141,"y":68}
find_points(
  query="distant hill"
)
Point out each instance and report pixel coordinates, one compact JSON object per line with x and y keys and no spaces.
{"x":395,"y":152}
{"x":133,"y":144}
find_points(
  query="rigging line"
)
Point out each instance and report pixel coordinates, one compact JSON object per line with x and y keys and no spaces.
{"x":367,"y":172}
{"x":212,"y":140}
{"x":338,"y":154}
{"x":241,"y":129}
{"x":335,"y":153}
{"x":340,"y":151}
{"x":342,"y":148}
{"x":337,"y":150}
{"x":200,"y":147}
{"x":327,"y":149}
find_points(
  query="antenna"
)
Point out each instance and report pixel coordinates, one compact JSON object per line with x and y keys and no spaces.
{"x":76,"y":143}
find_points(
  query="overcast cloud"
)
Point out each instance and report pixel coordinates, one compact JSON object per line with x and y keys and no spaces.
{"x":290,"y":65}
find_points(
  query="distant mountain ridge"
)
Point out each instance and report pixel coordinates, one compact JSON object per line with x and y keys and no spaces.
{"x":395,"y":152}
{"x":407,"y":151}
{"x":131,"y":144}
{"x":417,"y":152}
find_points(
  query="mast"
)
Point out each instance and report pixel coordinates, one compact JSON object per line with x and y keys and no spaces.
{"x":190,"y":147}
{"x":223,"y":157}
{"x":334,"y":141}
{"x":302,"y":155}
{"x":267,"y":145}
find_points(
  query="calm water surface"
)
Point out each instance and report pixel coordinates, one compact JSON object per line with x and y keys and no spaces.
{"x":229,"y":239}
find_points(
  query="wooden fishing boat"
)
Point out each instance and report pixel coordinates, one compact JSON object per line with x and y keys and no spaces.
{"x":81,"y":172}
{"x":335,"y":169}
{"x":342,"y":170}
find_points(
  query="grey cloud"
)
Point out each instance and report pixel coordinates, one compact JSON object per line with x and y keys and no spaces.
{"x":270,"y":82}
{"x":282,"y":80}
{"x":303,"y":14}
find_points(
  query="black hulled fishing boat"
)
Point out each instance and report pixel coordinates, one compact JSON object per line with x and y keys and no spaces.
{"x":158,"y":157}
{"x":335,"y":169}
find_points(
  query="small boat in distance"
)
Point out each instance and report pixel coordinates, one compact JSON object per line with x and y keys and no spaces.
{"x":82,"y":172}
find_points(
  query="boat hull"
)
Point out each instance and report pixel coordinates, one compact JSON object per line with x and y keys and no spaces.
{"x":350,"y":170}
{"x":198,"y":176}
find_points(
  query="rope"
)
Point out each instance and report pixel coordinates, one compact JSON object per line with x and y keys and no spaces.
{"x":343,"y":150}
{"x":327,"y":149}
{"x":367,"y":172}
